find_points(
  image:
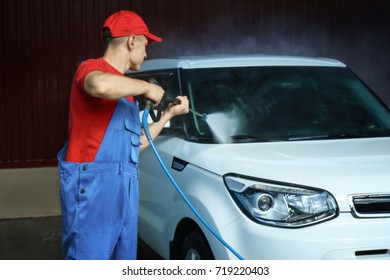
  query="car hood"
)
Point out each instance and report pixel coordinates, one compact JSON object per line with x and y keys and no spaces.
{"x":342,"y":167}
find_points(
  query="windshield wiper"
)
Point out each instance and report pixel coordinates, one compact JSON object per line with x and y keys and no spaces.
{"x":344,"y":135}
{"x":243,"y":138}
{"x":311,"y":137}
{"x":362,"y":134}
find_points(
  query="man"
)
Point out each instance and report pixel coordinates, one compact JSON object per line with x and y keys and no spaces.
{"x":99,"y":164}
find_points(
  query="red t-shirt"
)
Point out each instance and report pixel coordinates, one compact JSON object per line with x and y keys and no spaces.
{"x":88,"y":116}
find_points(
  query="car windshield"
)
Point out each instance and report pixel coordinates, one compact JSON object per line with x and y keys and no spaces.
{"x":281,"y":103}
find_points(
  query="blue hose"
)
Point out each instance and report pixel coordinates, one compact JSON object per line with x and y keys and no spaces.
{"x":149,"y":137}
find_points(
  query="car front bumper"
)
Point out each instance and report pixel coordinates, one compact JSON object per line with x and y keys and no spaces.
{"x":344,"y":237}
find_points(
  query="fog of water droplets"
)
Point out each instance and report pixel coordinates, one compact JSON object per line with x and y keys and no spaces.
{"x":223,"y":126}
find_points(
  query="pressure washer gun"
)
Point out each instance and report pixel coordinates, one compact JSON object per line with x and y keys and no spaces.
{"x":167,"y":98}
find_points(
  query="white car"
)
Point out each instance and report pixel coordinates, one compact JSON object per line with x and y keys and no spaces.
{"x":292,"y":162}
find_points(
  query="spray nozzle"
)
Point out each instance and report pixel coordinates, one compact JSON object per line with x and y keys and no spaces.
{"x":202,"y":116}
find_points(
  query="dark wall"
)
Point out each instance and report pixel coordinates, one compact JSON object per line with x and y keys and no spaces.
{"x":42,"y":42}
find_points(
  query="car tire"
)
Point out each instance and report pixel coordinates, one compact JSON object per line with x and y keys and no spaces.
{"x":195,"y":247}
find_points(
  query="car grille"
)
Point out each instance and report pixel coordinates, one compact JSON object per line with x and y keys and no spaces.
{"x":370,"y":205}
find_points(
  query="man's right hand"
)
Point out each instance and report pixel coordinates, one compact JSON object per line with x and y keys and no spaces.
{"x":155,"y":93}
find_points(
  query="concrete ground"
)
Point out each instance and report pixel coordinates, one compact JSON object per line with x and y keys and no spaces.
{"x":40,"y":239}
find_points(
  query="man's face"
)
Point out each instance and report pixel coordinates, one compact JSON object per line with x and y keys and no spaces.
{"x":138,"y":53}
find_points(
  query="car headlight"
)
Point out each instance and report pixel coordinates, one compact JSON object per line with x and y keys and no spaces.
{"x":281,"y":204}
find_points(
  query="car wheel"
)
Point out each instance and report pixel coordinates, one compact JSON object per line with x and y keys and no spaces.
{"x":195,"y":247}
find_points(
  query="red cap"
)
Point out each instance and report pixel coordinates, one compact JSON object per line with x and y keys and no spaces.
{"x":126,"y":23}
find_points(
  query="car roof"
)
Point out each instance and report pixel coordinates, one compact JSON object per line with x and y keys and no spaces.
{"x":214,"y":61}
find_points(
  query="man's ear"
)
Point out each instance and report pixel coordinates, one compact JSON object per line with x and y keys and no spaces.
{"x":130,"y":42}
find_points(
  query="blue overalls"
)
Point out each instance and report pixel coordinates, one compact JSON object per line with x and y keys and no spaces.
{"x":99,"y":199}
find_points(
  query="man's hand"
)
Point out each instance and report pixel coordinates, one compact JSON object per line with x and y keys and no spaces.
{"x":179,"y":109}
{"x":154,"y":93}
